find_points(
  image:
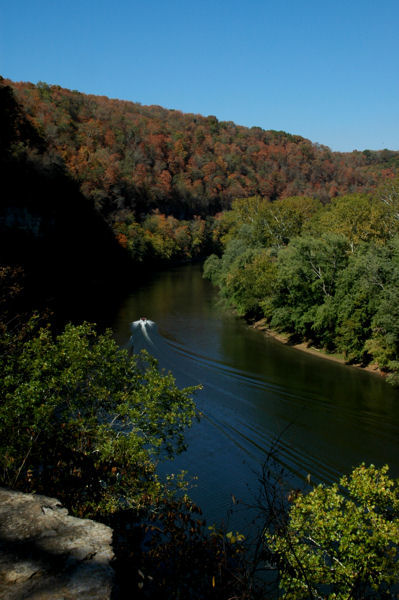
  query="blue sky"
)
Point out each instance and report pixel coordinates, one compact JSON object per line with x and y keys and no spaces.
{"x":327,"y":70}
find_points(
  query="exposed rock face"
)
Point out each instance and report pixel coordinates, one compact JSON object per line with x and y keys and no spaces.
{"x":45,"y":554}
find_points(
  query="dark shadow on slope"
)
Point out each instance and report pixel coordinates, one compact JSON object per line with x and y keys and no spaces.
{"x":46,"y":225}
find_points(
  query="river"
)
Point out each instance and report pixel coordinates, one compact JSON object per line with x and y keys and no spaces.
{"x":322,"y":417}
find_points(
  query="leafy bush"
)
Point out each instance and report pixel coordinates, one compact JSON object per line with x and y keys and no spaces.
{"x":83,"y":420}
{"x":341,"y":541}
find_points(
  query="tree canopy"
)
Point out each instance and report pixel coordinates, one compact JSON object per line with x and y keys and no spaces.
{"x":327,"y":274}
{"x":341,"y":541}
{"x":126,"y":156}
{"x":82,"y":419}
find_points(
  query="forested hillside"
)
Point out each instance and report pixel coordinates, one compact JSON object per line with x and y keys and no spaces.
{"x":326,"y":274}
{"x":47,"y":226}
{"x":128,"y":157}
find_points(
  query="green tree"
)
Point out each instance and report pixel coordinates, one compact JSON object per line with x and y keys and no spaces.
{"x":218,"y":269}
{"x":358,"y":217}
{"x":359,"y":291}
{"x":282,"y":220}
{"x":388,"y":195}
{"x":307,"y":273}
{"x":83,"y":420}
{"x":212,"y":267}
{"x":250,"y":282}
{"x":341,"y":541}
{"x":384,"y":340}
{"x":270,"y":224}
{"x":159,"y":232}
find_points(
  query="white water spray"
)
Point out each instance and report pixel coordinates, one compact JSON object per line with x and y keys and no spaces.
{"x":144,"y":323}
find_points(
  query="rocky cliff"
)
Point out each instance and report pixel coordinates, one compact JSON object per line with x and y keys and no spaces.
{"x":45,"y":554}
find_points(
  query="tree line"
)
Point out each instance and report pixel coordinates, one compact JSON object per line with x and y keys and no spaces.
{"x":126,"y":156}
{"x":326,"y":274}
{"x":161,"y":239}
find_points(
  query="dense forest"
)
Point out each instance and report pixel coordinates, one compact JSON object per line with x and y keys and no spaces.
{"x":307,"y":239}
{"x":158,"y":176}
{"x":138,"y":158}
{"x":326,"y":274}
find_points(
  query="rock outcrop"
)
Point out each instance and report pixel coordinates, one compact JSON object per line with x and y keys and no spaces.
{"x":45,"y":554}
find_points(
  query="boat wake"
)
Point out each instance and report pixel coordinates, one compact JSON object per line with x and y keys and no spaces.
{"x":143,"y":325}
{"x":229,"y":396}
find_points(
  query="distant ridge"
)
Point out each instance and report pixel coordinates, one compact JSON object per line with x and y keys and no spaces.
{"x":129,"y":157}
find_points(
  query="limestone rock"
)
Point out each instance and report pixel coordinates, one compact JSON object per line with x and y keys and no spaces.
{"x":45,"y":554}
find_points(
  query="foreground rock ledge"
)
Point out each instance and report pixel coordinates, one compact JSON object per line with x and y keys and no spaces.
{"x":45,"y":554}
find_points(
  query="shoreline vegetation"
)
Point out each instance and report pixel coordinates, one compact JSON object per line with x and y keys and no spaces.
{"x":309,"y":348}
{"x":325,"y":275}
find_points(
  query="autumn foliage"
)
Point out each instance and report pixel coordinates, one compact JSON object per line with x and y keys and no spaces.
{"x":126,"y":156}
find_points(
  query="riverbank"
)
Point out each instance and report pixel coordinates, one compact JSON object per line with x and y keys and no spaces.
{"x":284,"y":338}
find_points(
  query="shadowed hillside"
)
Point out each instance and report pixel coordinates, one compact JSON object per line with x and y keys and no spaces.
{"x":47,"y":226}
